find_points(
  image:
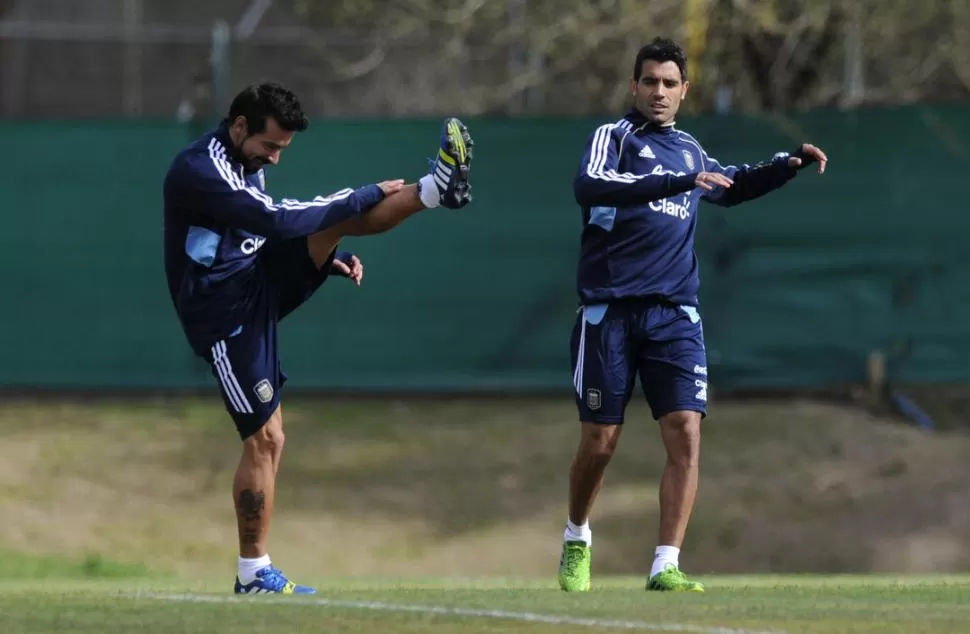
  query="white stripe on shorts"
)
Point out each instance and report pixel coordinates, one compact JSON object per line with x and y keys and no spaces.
{"x":229,"y":383}
{"x":580,"y":355}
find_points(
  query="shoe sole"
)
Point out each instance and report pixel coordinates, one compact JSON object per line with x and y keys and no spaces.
{"x":588,"y":587}
{"x":460,"y":143}
{"x":654,"y":588}
{"x":458,"y":153}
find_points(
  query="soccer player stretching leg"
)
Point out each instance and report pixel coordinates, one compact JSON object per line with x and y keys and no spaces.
{"x":238,"y":262}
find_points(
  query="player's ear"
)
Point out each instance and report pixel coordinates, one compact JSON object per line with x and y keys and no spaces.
{"x":633,"y":86}
{"x":239,"y":124}
{"x":683,"y":91}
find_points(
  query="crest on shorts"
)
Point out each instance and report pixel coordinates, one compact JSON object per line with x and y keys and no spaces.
{"x":264,"y":391}
{"x":593,"y":399}
{"x":689,"y":159}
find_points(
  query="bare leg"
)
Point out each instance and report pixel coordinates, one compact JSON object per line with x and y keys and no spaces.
{"x":596,"y":446}
{"x":278,"y":455}
{"x":681,"y":433}
{"x":384,"y":216}
{"x":254,"y":487}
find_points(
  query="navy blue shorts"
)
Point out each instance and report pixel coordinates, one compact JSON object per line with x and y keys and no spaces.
{"x":661,"y":342}
{"x":247,"y":364}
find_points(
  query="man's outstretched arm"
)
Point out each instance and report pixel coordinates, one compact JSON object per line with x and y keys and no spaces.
{"x":754,"y":181}
{"x":214,"y":189}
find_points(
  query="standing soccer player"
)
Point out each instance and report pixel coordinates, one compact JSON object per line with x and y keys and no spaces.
{"x":639,"y":185}
{"x":238,"y":262}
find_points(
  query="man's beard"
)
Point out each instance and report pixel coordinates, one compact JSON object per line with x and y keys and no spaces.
{"x":254,"y":164}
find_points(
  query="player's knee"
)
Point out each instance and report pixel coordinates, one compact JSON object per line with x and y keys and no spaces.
{"x":276,"y":439}
{"x":268,"y":441}
{"x":599,"y":441}
{"x":682,"y":434}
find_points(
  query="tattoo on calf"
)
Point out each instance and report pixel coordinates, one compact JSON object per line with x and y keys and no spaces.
{"x":251,"y":504}
{"x":250,"y":537}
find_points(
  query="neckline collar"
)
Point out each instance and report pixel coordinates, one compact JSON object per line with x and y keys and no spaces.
{"x":640,"y":122}
{"x":222,"y":135}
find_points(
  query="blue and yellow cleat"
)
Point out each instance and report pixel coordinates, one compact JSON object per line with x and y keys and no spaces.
{"x":451,"y":166}
{"x":270,"y":580}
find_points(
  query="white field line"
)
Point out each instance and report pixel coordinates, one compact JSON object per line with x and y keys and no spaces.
{"x":529,"y":617}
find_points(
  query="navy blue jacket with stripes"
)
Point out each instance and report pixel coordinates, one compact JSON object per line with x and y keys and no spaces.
{"x":217,"y":217}
{"x":635,"y":185}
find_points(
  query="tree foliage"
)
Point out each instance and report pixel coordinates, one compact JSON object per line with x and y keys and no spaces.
{"x":573,"y":57}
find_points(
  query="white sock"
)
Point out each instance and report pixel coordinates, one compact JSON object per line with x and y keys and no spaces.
{"x":248,"y":568}
{"x":664,"y":555}
{"x":430,"y":196}
{"x":576,"y":533}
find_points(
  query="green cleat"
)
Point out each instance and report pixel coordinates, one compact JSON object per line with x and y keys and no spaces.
{"x":673,"y":580}
{"x":574,"y":567}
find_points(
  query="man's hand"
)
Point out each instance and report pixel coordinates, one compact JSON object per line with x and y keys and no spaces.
{"x":391,"y":187}
{"x":811,"y":152}
{"x":710,"y":180}
{"x":355,"y":271}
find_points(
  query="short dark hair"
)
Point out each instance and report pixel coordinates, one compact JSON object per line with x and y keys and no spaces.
{"x":260,"y":102}
{"x":661,"y":50}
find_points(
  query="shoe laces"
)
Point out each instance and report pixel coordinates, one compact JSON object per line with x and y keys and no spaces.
{"x":273,"y":577}
{"x":572,"y":558}
{"x":675,"y":573}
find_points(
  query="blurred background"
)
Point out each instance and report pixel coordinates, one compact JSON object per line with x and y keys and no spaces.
{"x":433,"y":406}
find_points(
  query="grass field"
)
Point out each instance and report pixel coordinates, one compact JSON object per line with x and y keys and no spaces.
{"x":410,"y":515}
{"x":738,"y":605}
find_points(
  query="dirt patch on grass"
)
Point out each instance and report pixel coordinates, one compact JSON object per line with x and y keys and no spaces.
{"x":475,"y":487}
